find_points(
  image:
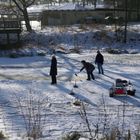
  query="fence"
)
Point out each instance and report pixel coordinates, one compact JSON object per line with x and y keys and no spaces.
{"x":12,"y":26}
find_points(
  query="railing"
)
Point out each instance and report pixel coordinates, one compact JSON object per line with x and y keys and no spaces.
{"x":10,"y":24}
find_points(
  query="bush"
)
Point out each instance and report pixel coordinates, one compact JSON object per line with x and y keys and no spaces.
{"x":13,"y":55}
{"x":77,"y":103}
{"x":113,"y":51}
{"x":75,"y":50}
{"x":41,"y":54}
{"x":72,"y":136}
{"x":116,"y":51}
{"x":2,"y":135}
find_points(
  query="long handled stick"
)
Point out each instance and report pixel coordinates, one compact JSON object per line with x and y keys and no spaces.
{"x":76,"y":74}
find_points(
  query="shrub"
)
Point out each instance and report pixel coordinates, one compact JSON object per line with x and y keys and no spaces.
{"x":72,"y":136}
{"x":75,"y":50}
{"x":113,"y":51}
{"x":77,"y":103}
{"x":13,"y":55}
{"x":2,"y":135}
{"x":41,"y":54}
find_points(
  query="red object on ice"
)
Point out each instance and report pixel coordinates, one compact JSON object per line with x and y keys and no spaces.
{"x":120,"y":91}
{"x":122,"y":87}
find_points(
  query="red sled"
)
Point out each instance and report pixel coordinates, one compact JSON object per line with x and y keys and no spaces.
{"x":122,"y":87}
{"x":120,"y":91}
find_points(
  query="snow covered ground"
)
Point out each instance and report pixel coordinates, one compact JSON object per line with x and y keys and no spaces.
{"x":25,"y":87}
{"x":19,"y":76}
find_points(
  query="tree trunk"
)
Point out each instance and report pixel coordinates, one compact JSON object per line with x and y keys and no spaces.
{"x":138,"y":10}
{"x":126,"y":20}
{"x":27,"y":21}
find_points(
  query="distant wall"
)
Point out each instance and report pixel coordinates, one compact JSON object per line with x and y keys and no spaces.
{"x":69,"y":17}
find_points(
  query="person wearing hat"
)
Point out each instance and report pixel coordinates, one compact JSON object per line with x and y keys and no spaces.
{"x":89,"y":69}
{"x":99,"y":60}
{"x":53,"y":70}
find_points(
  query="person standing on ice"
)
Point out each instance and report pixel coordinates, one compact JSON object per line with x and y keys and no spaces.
{"x":89,"y":69}
{"x":53,"y":70}
{"x":99,"y":60}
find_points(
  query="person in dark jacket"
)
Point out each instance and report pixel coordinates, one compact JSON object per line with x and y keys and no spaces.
{"x":99,"y":60}
{"x":53,"y":70}
{"x":89,"y":69}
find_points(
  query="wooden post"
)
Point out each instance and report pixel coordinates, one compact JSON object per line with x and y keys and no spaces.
{"x":18,"y":36}
{"x":8,"y":39}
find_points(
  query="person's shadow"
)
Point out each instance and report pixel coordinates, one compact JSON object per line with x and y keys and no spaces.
{"x":132,"y":100}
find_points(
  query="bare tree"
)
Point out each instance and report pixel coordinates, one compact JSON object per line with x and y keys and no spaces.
{"x":126,"y":21}
{"x":22,"y":6}
{"x":84,"y":116}
{"x":33,"y":110}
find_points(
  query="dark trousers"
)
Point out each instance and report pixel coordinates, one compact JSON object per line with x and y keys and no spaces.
{"x":100,"y":68}
{"x":53,"y":79}
{"x":90,"y":75}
